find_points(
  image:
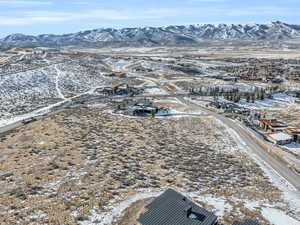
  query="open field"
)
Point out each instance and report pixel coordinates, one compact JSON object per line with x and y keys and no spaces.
{"x":67,"y":166}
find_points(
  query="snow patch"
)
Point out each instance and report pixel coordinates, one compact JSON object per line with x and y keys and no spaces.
{"x":219,"y":203}
{"x":279,"y":101}
{"x":277,"y":217}
{"x":108,"y":217}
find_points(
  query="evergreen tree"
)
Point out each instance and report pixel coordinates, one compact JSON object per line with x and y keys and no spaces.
{"x":262,"y":94}
{"x":253,"y":98}
{"x":152,"y":113}
{"x":248,"y":98}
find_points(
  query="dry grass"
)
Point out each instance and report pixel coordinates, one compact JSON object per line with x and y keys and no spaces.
{"x":60,"y":168}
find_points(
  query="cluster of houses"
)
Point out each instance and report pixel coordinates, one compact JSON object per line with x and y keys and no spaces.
{"x":264,"y":73}
{"x":172,"y":208}
{"x":273,"y":130}
{"x":279,"y":133}
{"x":262,"y":60}
{"x":140,"y":107}
{"x":243,"y":60}
{"x":265,"y":70}
{"x":119,"y":89}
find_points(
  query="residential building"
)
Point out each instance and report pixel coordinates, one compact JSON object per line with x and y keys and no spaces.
{"x":279,"y":138}
{"x":272,"y":125}
{"x":172,"y":208}
{"x":295,"y":132}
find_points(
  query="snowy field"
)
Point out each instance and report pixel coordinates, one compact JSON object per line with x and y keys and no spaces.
{"x":30,"y":91}
{"x":279,"y":101}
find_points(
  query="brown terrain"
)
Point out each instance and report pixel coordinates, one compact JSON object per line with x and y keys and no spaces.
{"x":56,"y":170}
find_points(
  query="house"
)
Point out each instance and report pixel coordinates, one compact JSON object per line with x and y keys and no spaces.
{"x":247,"y":222}
{"x":119,"y":89}
{"x":272,"y":125}
{"x":295,"y":93}
{"x":116,"y":74}
{"x":295,"y":132}
{"x":105,"y":91}
{"x":172,"y":208}
{"x":144,"y":111}
{"x":140,"y":107}
{"x":279,"y":138}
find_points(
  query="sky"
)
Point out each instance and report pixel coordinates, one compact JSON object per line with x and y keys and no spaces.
{"x":67,"y":16}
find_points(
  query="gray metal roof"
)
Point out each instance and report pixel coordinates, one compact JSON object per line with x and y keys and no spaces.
{"x":250,"y":222}
{"x":172,"y":208}
{"x":237,"y":223}
{"x":247,"y":222}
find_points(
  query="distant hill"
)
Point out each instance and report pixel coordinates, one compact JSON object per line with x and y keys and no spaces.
{"x":162,"y":36}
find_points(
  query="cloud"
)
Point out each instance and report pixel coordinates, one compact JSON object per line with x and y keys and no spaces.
{"x":104,"y":15}
{"x":22,"y":3}
{"x":31,"y":17}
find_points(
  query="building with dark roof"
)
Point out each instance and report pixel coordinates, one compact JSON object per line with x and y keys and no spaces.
{"x":247,"y":222}
{"x":172,"y":208}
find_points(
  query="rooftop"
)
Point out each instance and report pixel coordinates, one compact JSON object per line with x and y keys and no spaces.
{"x":279,"y":136}
{"x":172,"y":208}
{"x":293,"y":130}
{"x":272,"y":123}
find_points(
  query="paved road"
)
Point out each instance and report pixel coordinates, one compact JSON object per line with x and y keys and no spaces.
{"x":285,"y":172}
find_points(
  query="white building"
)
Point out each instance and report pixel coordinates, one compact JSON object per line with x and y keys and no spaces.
{"x":280,"y":138}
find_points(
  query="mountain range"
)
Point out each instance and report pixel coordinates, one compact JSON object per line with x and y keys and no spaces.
{"x":161,"y":36}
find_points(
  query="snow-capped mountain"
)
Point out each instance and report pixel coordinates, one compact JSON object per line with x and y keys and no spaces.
{"x":168,"y":35}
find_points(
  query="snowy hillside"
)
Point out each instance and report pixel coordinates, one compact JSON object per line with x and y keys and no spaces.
{"x":31,"y":90}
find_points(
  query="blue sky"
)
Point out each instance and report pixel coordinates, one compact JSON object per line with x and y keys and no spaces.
{"x":62,"y":16}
